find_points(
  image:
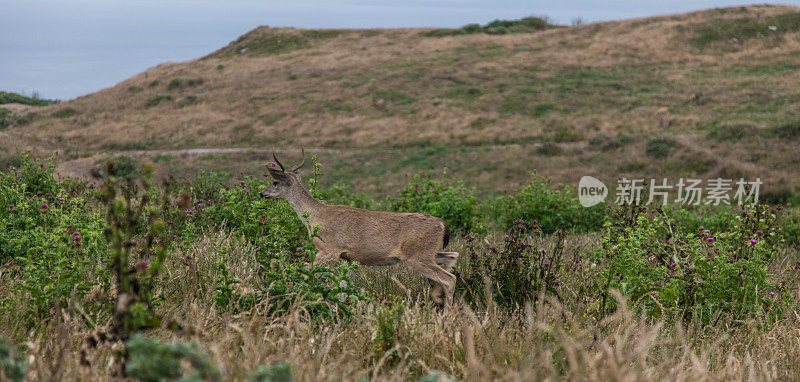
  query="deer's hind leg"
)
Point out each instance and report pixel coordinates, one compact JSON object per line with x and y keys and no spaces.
{"x":443,"y":278}
{"x":446,"y":260}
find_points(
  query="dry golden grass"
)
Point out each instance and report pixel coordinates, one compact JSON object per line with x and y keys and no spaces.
{"x":544,"y":342}
{"x":506,"y":94}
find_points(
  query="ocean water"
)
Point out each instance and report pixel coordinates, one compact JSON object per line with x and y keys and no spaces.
{"x":62,"y":49}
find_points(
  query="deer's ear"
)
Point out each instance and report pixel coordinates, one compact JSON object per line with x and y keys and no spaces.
{"x":277,"y":174}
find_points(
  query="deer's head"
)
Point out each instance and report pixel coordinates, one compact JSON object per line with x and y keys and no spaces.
{"x":284,"y":183}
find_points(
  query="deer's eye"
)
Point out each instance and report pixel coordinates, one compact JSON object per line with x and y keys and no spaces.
{"x":275,"y":183}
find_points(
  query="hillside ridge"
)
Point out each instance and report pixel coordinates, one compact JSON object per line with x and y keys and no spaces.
{"x":705,"y":93}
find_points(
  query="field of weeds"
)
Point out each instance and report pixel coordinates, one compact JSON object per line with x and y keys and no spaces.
{"x":196,"y":278}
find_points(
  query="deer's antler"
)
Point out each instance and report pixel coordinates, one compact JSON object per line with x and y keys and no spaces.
{"x":278,"y":162}
{"x":301,"y":163}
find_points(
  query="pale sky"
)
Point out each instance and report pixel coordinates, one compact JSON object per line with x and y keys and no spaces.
{"x":63,"y":49}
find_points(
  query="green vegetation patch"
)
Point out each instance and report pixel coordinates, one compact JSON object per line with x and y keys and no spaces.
{"x":155,"y":101}
{"x":787,"y":130}
{"x":189,"y":100}
{"x":180,"y":83}
{"x":64,"y":113}
{"x":8,"y":97}
{"x":738,"y":30}
{"x":271,"y":118}
{"x":524,"y":25}
{"x":661,"y":147}
{"x":266,"y":41}
{"x":731,"y":132}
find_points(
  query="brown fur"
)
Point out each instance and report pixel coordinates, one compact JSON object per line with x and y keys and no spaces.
{"x":375,"y":238}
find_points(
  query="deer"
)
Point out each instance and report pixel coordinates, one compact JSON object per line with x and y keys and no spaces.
{"x":372,"y":238}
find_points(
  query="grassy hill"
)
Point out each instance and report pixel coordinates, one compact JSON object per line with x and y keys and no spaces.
{"x":706,"y":94}
{"x":8,"y":98}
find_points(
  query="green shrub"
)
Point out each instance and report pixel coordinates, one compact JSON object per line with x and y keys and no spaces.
{"x":675,"y":275}
{"x":150,"y":360}
{"x":389,"y":332}
{"x":340,"y":193}
{"x":180,"y":83}
{"x":788,"y":130}
{"x":517,"y":272}
{"x":440,"y":197}
{"x":13,"y":365}
{"x":661,"y":147}
{"x":137,"y":240}
{"x":606,"y":143}
{"x":64,"y":113}
{"x":472,"y":28}
{"x":50,"y":237}
{"x":280,"y":372}
{"x":157,"y":100}
{"x":189,"y":100}
{"x":322,"y":291}
{"x":442,"y":32}
{"x":552,"y":208}
{"x":7,"y":97}
{"x":791,"y":229}
{"x":549,"y":149}
{"x":524,"y":25}
{"x":12,"y":160}
{"x":566,"y":134}
{"x":124,"y":167}
{"x":693,"y":219}
{"x":733,"y":132}
{"x":5,"y":118}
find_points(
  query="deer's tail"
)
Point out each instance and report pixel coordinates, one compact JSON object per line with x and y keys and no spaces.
{"x":446,"y":235}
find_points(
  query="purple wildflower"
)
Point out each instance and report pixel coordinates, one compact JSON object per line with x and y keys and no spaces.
{"x":242,"y":182}
{"x":546,"y":264}
{"x":759,"y":232}
{"x":44,"y":205}
{"x":142,"y":265}
{"x":771,"y":293}
{"x":10,"y":206}
{"x":673,"y":265}
{"x":710,"y":239}
{"x":706,"y":231}
{"x":61,"y":199}
{"x":299,"y":249}
{"x":190,"y":211}
{"x":7,"y":265}
{"x":506,"y":236}
{"x":753,"y":241}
